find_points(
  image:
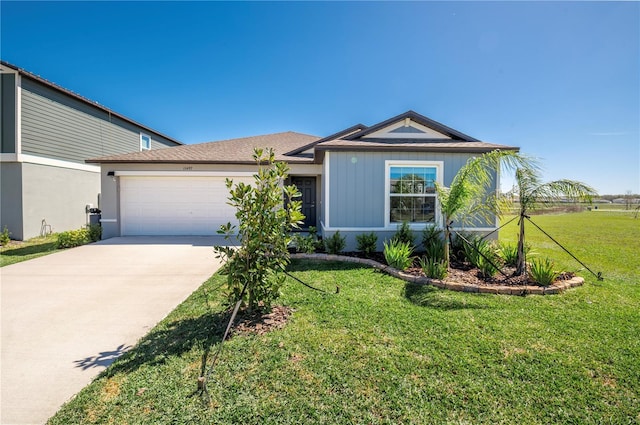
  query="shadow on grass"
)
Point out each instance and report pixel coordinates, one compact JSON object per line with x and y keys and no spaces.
{"x":173,"y":339}
{"x":30,"y":249}
{"x":303,"y":265}
{"x":429,"y":296}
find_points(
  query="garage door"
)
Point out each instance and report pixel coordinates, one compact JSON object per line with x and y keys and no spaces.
{"x":159,"y":205}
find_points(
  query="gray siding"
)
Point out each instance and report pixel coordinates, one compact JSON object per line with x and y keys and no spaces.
{"x":8,"y":113}
{"x":357,"y":191}
{"x":11,"y":198}
{"x":57,"y":195}
{"x":60,"y":127}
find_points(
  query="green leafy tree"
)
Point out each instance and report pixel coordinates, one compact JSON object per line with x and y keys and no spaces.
{"x":266,"y":211}
{"x":470,"y":197}
{"x":533,"y":193}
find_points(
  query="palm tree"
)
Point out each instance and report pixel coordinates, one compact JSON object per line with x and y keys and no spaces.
{"x":533,"y":193}
{"x":469,"y":197}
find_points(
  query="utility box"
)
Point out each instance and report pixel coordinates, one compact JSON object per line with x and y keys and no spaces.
{"x":94,"y":216}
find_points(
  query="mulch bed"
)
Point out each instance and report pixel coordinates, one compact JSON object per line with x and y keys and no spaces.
{"x":464,"y":273}
{"x":260,"y":322}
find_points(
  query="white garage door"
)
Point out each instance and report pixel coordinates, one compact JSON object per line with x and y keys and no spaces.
{"x":159,"y":205}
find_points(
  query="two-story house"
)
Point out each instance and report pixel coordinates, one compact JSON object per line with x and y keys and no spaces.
{"x":47,"y":133}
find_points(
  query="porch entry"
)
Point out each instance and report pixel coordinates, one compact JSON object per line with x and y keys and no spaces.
{"x":307,"y":187}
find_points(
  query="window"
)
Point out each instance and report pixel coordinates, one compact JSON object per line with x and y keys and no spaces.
{"x":145,"y":142}
{"x":411,"y":192}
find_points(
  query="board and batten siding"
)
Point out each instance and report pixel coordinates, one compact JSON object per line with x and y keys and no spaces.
{"x":357,"y":184}
{"x":60,"y":127}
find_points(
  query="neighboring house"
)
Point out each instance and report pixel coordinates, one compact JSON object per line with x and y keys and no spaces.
{"x":47,"y":133}
{"x":362,"y":179}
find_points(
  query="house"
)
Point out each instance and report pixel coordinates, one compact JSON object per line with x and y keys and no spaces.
{"x":47,"y":134}
{"x":359,"y":180}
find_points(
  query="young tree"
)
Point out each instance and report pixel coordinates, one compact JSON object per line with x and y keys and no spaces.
{"x":266,"y":213}
{"x":469,"y":197}
{"x":533,"y":193}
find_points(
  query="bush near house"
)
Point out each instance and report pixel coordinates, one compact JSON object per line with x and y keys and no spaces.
{"x":367,"y":243}
{"x":335,"y":243}
{"x":404,"y":234}
{"x":73,"y":238}
{"x":5,"y":236}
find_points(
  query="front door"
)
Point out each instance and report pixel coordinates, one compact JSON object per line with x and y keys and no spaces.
{"x":307,"y":187}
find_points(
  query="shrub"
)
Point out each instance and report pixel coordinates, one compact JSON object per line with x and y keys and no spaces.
{"x":489,"y":266}
{"x":541,"y":271}
{"x":367,"y":243}
{"x":398,"y":254}
{"x":307,"y":244}
{"x":483,"y":255}
{"x":404,"y":234}
{"x":433,"y":243}
{"x":5,"y":236}
{"x":434,"y":268}
{"x":95,"y":232}
{"x":335,"y":243}
{"x":457,"y":246}
{"x":73,"y":238}
{"x":266,"y":211}
{"x":430,"y":235}
{"x":509,"y":253}
{"x":473,"y":249}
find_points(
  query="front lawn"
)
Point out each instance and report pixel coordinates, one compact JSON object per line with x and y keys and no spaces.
{"x":17,"y":251}
{"x":383,"y":351}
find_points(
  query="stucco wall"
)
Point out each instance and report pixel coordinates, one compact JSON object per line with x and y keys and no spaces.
{"x":57,"y":195}
{"x":11,"y":198}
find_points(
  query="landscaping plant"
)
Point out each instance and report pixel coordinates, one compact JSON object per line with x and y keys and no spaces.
{"x":432,"y":243}
{"x":367,"y":243}
{"x":73,"y":238}
{"x":5,"y":236}
{"x":307,"y":244}
{"x":542,"y":271}
{"x":434,"y":268}
{"x":95,"y":232}
{"x":482,"y":254}
{"x":508,"y":253}
{"x":398,"y":254}
{"x":430,"y":234}
{"x":404,"y":233}
{"x":335,"y":243}
{"x":266,"y":213}
{"x":533,"y":193}
{"x":469,"y":197}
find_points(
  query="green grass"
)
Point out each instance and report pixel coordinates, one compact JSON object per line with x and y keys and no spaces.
{"x":606,"y":242}
{"x":16,"y":252}
{"x":383,"y":351}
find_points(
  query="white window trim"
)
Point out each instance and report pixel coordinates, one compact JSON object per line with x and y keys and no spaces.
{"x":142,"y":148}
{"x":439,"y":165}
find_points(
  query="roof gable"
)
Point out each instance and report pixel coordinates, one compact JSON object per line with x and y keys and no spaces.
{"x":410,"y":125}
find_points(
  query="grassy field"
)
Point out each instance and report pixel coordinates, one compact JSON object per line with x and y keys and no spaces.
{"x":16,"y":252}
{"x":383,"y":351}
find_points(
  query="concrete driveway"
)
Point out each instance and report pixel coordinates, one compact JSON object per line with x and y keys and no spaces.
{"x":67,"y":316}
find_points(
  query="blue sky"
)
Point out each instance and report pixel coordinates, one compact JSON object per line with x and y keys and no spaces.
{"x":561,"y":80}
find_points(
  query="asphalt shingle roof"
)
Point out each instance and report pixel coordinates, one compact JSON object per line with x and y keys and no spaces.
{"x":233,"y":151}
{"x":291,"y":146}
